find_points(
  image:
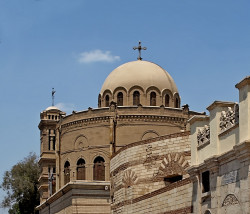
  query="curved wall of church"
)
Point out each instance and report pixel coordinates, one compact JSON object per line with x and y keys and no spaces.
{"x":143,"y":176}
{"x":86,"y":135}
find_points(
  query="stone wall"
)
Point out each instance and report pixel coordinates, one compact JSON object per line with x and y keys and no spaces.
{"x":221,"y":156}
{"x":79,"y":197}
{"x":142,"y":173}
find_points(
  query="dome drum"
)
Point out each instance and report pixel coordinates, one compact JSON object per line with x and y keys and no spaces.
{"x":139,"y":82}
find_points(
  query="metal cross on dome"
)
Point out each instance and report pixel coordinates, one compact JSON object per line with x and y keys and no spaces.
{"x":139,"y":49}
{"x":53,"y":96}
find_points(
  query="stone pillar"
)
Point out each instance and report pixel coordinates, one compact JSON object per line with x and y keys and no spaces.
{"x":196,"y":123}
{"x":244,"y":108}
{"x":215,"y":110}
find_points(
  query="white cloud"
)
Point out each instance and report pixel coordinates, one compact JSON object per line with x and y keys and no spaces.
{"x":66,"y":107}
{"x":97,"y":56}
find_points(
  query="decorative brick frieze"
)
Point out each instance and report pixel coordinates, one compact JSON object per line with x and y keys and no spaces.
{"x":149,"y":118}
{"x":173,"y":164}
{"x":175,"y":135}
{"x":124,"y":166}
{"x":84,"y":122}
{"x":129,"y":178}
{"x":184,"y":210}
{"x":152,"y":194}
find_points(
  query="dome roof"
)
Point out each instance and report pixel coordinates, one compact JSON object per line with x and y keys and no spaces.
{"x":139,"y":73}
{"x":52,"y":108}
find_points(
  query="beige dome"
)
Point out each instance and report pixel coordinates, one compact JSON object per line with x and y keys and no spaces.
{"x":139,"y":73}
{"x":52,"y":108}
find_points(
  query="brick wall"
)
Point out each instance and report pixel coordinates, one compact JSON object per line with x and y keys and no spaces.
{"x":138,"y":171}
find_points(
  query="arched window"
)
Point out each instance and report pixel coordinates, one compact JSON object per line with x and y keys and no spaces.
{"x":120,"y":99}
{"x":167,"y":99}
{"x":136,"y":98}
{"x":99,"y":169}
{"x":152,"y":99}
{"x":177,"y":103}
{"x":107,"y":101}
{"x":80,"y":169}
{"x":99,"y":101}
{"x":66,"y":172}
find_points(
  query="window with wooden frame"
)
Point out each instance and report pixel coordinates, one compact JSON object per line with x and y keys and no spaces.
{"x":80,"y":170}
{"x":99,"y":169}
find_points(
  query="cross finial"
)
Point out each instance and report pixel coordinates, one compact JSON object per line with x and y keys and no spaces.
{"x":139,"y":49}
{"x":53,"y":96}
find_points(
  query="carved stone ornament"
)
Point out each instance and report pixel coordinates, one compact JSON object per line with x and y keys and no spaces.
{"x":229,"y":118}
{"x":129,"y":178}
{"x":150,"y":159}
{"x":203,"y":135}
{"x":112,"y":106}
{"x":173,"y":164}
{"x":230,"y":200}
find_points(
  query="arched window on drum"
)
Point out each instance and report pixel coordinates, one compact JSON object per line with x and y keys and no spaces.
{"x":177,"y":103}
{"x":153,"y":99}
{"x":167,"y":100}
{"x":99,"y":169}
{"x":136,"y":98}
{"x":107,"y":101}
{"x":66,"y":172}
{"x":81,"y":169}
{"x":120,"y":99}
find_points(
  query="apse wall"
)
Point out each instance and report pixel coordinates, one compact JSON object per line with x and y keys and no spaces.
{"x":150,"y":176}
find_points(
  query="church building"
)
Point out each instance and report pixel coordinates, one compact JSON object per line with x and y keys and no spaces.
{"x":140,"y":151}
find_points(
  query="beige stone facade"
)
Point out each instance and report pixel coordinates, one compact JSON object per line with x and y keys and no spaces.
{"x":138,"y":101}
{"x":220,"y":156}
{"x":141,"y":152}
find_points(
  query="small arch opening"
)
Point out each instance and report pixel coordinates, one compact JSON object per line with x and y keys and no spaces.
{"x":99,"y":169}
{"x":172,"y":179}
{"x":81,"y":169}
{"x":153,"y":99}
{"x":120,"y":99}
{"x":136,"y":98}
{"x":107,"y":101}
{"x":167,"y":100}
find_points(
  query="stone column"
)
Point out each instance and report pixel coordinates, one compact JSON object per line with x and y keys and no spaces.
{"x":244,"y":108}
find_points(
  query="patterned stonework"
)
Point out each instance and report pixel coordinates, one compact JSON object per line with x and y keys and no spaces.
{"x":229,"y":118}
{"x":203,"y":135}
{"x":129,"y":178}
{"x":150,"y":158}
{"x":173,"y":164}
{"x":230,"y":200}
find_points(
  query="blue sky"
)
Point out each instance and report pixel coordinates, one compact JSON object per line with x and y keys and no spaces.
{"x":73,"y":45}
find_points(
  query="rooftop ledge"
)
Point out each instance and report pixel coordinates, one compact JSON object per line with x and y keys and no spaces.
{"x":85,"y":186}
